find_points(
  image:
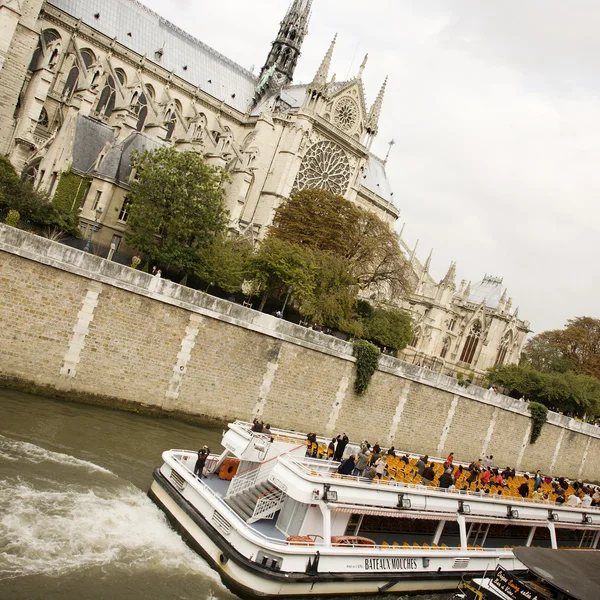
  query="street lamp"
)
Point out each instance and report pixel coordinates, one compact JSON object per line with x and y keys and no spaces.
{"x":93,"y":228}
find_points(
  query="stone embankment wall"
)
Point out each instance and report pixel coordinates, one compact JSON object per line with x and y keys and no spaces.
{"x":81,"y":327}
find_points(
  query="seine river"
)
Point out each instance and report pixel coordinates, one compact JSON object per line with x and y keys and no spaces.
{"x":75,"y":521}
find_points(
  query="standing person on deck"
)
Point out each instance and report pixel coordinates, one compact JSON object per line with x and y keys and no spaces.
{"x":201,"y":461}
{"x":450,"y":459}
{"x":342,"y":442}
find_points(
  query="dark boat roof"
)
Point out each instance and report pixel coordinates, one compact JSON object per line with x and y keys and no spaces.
{"x":573,"y":572}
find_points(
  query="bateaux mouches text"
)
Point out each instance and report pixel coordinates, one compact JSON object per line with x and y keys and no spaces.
{"x":390,"y":564}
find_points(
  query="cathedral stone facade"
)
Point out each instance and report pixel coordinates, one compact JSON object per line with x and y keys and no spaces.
{"x":85,"y":83}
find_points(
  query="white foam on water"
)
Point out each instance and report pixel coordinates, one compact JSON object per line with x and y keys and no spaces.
{"x":49,"y":528}
{"x":14,"y":450}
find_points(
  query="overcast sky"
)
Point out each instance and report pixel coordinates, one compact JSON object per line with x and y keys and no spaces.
{"x":495,"y":110}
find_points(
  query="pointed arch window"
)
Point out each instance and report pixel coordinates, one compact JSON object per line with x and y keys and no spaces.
{"x":471,"y":343}
{"x":416,"y":338}
{"x":445,"y":348}
{"x":108,"y":97}
{"x":43,"y":121}
{"x":503,"y":349}
{"x":73,"y":77}
{"x":141,"y":105}
{"x":171,"y":121}
{"x":47,"y":38}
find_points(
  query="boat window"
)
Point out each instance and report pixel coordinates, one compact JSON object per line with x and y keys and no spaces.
{"x":568,"y":538}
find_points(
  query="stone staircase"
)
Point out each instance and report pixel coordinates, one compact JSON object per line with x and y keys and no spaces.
{"x":245,"y":503}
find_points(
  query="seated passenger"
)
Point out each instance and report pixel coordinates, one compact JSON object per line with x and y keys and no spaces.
{"x":347,"y":466}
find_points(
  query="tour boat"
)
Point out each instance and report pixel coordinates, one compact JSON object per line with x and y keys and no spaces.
{"x":274,"y":522}
{"x":551,"y":575}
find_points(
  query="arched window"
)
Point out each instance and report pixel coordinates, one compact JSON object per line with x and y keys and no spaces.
{"x":106,"y":103}
{"x":503,"y":349}
{"x":445,"y":348}
{"x":48,"y":36}
{"x":171,"y":121}
{"x":179,"y":107}
{"x":468,"y":351}
{"x":73,"y":77}
{"x":416,"y":337}
{"x":43,"y":119}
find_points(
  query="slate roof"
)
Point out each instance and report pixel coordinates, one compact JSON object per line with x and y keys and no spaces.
{"x":488,"y":290}
{"x":150,"y":33}
{"x":375,"y":179}
{"x":90,"y":137}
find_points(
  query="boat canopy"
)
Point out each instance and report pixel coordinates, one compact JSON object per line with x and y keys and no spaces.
{"x":572,"y":572}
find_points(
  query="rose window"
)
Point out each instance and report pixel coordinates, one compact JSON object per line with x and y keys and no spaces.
{"x":325,"y":166}
{"x":346,"y":114}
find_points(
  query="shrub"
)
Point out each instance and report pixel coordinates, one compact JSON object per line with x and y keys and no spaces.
{"x":12,"y":218}
{"x":367,"y":360}
{"x":539,"y":413}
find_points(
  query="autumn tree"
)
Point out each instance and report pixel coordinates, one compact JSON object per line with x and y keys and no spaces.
{"x":177,"y":209}
{"x":329,"y":223}
{"x":576,"y":347}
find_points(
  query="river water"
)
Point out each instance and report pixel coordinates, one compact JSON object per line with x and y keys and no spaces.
{"x":75,"y":521}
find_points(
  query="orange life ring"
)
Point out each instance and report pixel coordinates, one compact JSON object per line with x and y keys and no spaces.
{"x":229,"y":468}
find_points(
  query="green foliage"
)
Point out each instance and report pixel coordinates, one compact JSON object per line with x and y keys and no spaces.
{"x":329,"y":223}
{"x":570,"y":393}
{"x":70,"y":191}
{"x":36,"y":211}
{"x":576,"y":348}
{"x":367,"y":360}
{"x":539,"y":414}
{"x":225,"y":262}
{"x":12,"y":218}
{"x":177,"y":208}
{"x":389,"y":327}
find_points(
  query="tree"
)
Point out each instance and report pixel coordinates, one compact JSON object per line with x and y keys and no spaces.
{"x":570,"y":392}
{"x":329,"y":223}
{"x":224,"y":262}
{"x":542,"y":354}
{"x":577,"y":347}
{"x":389,"y":327}
{"x":35,"y":209}
{"x":279,"y":265}
{"x":177,"y":209}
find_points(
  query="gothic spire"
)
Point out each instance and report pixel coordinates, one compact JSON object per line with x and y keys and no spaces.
{"x":279,"y":67}
{"x":450,"y":278}
{"x":428,"y":262}
{"x":319,"y":82}
{"x":375,"y":112}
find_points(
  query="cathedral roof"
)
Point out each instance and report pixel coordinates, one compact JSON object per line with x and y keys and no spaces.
{"x":488,"y":290}
{"x":375,"y":179}
{"x":145,"y":32}
{"x":90,"y":138}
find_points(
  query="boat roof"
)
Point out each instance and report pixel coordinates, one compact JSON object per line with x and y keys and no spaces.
{"x":573,"y":572}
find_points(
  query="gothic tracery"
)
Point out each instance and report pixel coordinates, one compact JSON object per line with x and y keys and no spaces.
{"x":325,"y":166}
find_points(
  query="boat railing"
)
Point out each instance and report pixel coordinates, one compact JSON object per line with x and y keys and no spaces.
{"x":185,"y":458}
{"x":315,"y":467}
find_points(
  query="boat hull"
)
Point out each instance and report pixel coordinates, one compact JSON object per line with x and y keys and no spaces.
{"x":251,"y":580}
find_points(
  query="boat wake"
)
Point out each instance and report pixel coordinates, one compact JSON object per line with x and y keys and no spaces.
{"x":57,"y":525}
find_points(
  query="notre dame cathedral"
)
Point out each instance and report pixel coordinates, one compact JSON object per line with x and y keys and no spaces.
{"x":84,"y":83}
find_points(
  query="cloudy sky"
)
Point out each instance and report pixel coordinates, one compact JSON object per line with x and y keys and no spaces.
{"x":495,"y":111}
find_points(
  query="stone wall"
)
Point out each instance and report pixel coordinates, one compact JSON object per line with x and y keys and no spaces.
{"x":79,"y":326}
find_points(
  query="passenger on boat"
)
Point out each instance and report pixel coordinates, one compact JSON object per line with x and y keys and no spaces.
{"x":574,"y":500}
{"x":347,"y":466}
{"x":391,"y":452}
{"x":587,"y":500}
{"x":257,"y":425}
{"x":331,"y":449}
{"x":428,"y":475}
{"x":342,"y":442}
{"x":362,"y":462}
{"x":485,"y":476}
{"x":538,"y":481}
{"x":201,"y":461}
{"x":524,"y":487}
{"x":450,"y":459}
{"x":267,"y":431}
{"x":446,"y":479}
{"x":421,"y":464}
{"x":375,"y":455}
{"x":380,"y":466}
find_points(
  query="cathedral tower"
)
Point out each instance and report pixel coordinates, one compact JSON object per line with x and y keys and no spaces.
{"x":279,"y":67}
